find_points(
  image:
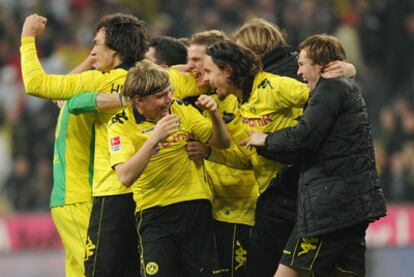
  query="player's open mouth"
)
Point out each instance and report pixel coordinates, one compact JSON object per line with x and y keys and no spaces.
{"x":197,"y":75}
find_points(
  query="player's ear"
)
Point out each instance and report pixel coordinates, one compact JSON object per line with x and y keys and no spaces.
{"x":137,"y":100}
{"x":228,"y":70}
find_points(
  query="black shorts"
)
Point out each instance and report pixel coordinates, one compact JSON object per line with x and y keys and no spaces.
{"x":177,"y":240}
{"x":232,"y":240}
{"x":112,"y":247}
{"x":342,"y":250}
{"x":274,"y":222}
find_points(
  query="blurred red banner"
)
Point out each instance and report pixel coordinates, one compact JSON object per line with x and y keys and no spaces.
{"x":31,"y":231}
{"x":396,"y":229}
{"x":36,"y":231}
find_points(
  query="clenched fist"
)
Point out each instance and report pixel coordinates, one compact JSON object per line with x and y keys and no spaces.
{"x":33,"y":25}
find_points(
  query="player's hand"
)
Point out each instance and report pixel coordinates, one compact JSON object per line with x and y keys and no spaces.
{"x":206,"y":102}
{"x":165,"y":127}
{"x":197,"y":150}
{"x":33,"y":25}
{"x":338,"y":69}
{"x":255,"y":139}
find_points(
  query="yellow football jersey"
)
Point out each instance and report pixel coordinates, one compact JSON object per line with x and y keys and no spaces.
{"x":170,"y":176}
{"x":38,"y":83}
{"x":234,"y":191}
{"x":274,"y":103}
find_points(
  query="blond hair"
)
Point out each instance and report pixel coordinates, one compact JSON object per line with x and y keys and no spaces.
{"x":145,"y":78}
{"x":208,"y":38}
{"x":260,"y":36}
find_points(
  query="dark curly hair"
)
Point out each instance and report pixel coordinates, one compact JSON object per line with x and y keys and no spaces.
{"x":127,"y":35}
{"x":244,"y":63}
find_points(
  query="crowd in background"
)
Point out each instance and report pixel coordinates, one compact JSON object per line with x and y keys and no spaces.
{"x":378,"y":36}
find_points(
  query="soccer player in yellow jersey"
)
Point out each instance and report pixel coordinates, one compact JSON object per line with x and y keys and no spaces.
{"x":235,"y":191}
{"x":119,"y":42}
{"x":147,"y":150}
{"x":269,"y":102}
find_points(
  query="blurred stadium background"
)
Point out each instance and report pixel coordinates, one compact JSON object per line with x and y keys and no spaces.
{"x":378,"y":36}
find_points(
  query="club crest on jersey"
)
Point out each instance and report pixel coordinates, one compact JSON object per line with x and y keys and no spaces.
{"x":116,"y":144}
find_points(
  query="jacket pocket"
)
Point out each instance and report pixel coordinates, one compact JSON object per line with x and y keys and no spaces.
{"x":329,"y":199}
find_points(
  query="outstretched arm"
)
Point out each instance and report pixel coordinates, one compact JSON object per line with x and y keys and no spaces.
{"x":83,"y":66}
{"x":48,"y":86}
{"x":232,"y":157}
{"x":95,"y":102}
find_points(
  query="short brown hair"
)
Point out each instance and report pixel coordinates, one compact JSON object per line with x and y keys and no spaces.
{"x":260,"y":36}
{"x":208,"y":38}
{"x":322,"y":49}
{"x":145,"y":78}
{"x":125,"y":34}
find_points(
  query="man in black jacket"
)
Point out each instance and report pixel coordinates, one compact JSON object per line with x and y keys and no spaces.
{"x":338,"y":192}
{"x":276,"y":206}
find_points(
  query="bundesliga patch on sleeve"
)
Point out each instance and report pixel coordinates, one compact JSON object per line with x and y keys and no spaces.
{"x":116,"y":144}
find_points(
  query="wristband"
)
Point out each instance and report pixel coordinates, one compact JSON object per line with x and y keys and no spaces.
{"x":120,"y":99}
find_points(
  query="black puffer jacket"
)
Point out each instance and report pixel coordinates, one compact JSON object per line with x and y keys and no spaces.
{"x":338,"y":180}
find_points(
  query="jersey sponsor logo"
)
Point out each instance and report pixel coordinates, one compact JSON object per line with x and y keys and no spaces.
{"x":265,"y":83}
{"x":116,"y":144}
{"x":307,"y":245}
{"x":151,"y":268}
{"x":89,"y":248}
{"x":175,"y":138}
{"x":239,"y":256}
{"x":254,"y":122}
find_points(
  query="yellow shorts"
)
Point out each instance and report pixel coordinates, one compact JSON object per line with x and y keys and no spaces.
{"x":72,"y":222}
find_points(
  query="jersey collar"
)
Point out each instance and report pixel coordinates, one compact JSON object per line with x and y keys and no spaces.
{"x":139,"y":118}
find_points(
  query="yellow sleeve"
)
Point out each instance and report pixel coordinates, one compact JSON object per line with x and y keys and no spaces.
{"x":233,"y":156}
{"x":38,"y":83}
{"x":291,"y":93}
{"x":184,"y":84}
{"x":121,"y":147}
